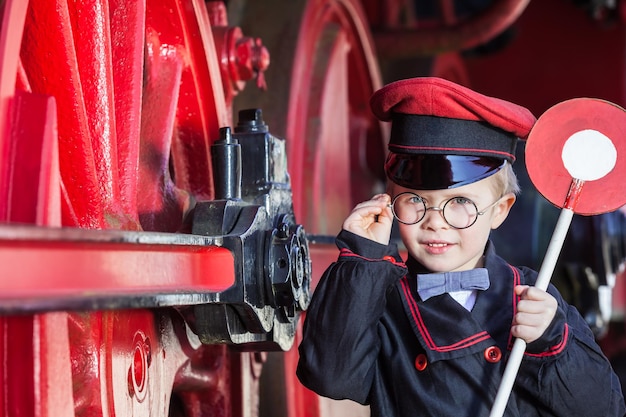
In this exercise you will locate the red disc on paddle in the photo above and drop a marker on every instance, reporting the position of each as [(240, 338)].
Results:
[(581, 138)]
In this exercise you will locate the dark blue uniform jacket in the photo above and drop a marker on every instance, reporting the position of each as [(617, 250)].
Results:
[(368, 337)]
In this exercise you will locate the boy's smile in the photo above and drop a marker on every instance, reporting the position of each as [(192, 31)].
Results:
[(436, 248)]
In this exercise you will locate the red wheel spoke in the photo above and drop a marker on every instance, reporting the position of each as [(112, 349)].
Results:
[(128, 43), (160, 203), (49, 57), (92, 41), (13, 15)]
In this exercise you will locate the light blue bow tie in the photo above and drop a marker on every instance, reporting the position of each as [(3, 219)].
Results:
[(431, 285)]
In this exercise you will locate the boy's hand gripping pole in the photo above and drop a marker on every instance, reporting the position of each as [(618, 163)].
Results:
[(590, 135)]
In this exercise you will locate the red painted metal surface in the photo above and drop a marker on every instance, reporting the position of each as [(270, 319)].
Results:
[(32, 167), (178, 33), (36, 372), (127, 64), (74, 267), (81, 78), (13, 12), (117, 107), (241, 58)]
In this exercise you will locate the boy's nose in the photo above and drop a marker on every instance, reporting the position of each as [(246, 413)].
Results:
[(435, 218)]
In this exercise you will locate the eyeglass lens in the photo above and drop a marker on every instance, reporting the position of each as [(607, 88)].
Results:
[(458, 212)]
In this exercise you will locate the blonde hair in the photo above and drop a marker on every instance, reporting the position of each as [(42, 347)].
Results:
[(505, 180)]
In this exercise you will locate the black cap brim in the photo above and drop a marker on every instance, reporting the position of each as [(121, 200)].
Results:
[(438, 172)]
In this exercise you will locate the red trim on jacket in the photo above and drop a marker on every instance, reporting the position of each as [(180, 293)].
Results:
[(348, 253), (554, 350), (516, 281)]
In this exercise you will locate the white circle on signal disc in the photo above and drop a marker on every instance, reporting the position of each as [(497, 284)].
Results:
[(589, 155)]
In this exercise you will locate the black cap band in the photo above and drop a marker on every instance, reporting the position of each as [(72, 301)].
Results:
[(418, 134)]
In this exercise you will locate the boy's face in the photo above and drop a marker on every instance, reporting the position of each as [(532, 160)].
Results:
[(442, 248)]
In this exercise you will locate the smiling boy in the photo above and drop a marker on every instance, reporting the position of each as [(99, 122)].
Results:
[(429, 335)]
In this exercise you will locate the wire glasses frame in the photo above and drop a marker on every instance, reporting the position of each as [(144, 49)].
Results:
[(458, 212)]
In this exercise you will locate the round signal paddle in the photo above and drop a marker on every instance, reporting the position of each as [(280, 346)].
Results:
[(576, 158), (582, 139)]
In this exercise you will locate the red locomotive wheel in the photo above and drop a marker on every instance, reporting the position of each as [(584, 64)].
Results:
[(108, 109)]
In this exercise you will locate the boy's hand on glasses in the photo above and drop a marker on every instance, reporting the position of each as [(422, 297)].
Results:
[(371, 219)]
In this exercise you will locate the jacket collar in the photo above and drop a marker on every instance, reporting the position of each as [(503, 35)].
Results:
[(459, 332)]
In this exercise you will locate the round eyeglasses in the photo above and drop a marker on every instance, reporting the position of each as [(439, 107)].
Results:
[(458, 212)]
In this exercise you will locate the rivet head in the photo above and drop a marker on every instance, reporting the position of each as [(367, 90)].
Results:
[(141, 358)]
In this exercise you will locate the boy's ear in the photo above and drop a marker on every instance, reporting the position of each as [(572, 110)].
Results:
[(502, 209)]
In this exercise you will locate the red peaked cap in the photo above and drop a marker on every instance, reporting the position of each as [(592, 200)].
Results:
[(444, 135)]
